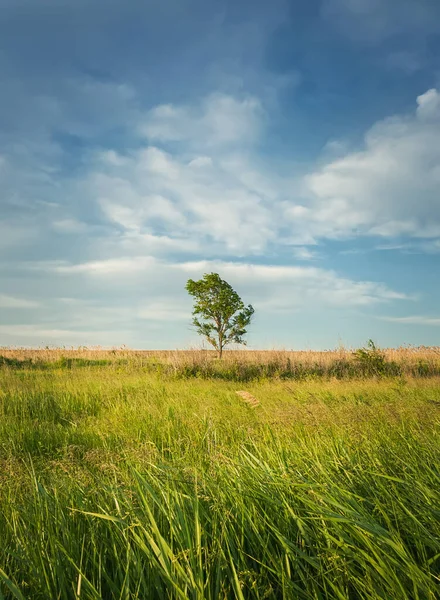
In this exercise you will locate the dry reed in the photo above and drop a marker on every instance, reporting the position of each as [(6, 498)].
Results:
[(404, 354)]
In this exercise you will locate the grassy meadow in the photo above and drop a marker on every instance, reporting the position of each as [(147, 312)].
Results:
[(135, 475)]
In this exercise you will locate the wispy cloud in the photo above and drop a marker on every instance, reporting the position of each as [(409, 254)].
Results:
[(163, 309), (304, 253), (271, 285), (219, 120), (203, 201), (196, 186), (34, 334), (40, 332), (415, 320), (229, 199), (108, 266), (13, 302)]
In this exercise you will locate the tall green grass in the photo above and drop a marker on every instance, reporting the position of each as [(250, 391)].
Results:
[(125, 485)]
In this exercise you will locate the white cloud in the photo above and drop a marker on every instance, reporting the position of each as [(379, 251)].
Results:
[(219, 120), (200, 162), (212, 194), (31, 335), (272, 287), (40, 332), (70, 225), (429, 105), (211, 202), (133, 242), (389, 189), (13, 302), (290, 287), (220, 200), (128, 300), (415, 320), (303, 253), (108, 266), (155, 307), (163, 309), (224, 200)]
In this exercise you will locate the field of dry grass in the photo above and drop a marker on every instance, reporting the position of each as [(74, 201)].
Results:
[(242, 364), (49, 354)]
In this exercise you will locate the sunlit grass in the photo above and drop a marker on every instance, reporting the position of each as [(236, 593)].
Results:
[(120, 483), (238, 365)]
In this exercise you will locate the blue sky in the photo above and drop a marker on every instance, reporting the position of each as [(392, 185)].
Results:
[(292, 147)]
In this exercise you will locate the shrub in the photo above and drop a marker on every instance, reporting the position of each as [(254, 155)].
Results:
[(14, 362), (371, 360)]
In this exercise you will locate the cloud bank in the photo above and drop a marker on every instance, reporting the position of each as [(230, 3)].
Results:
[(189, 192)]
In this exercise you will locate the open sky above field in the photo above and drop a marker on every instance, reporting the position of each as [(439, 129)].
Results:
[(292, 147)]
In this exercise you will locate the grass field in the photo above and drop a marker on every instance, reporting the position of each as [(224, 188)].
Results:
[(240, 365), (123, 481)]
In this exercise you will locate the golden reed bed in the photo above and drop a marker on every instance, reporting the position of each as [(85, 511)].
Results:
[(402, 355)]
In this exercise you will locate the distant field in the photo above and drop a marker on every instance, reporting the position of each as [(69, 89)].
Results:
[(135, 475), (241, 364)]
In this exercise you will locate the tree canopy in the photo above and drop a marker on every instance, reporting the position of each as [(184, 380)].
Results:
[(219, 313)]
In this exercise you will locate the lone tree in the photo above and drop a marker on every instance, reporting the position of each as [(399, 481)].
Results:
[(219, 313)]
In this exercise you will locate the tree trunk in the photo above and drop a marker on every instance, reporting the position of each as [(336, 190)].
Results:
[(220, 351)]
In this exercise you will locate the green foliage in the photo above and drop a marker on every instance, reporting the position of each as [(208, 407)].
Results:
[(137, 486), (219, 313), (371, 360), (13, 362), (69, 362), (422, 369)]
